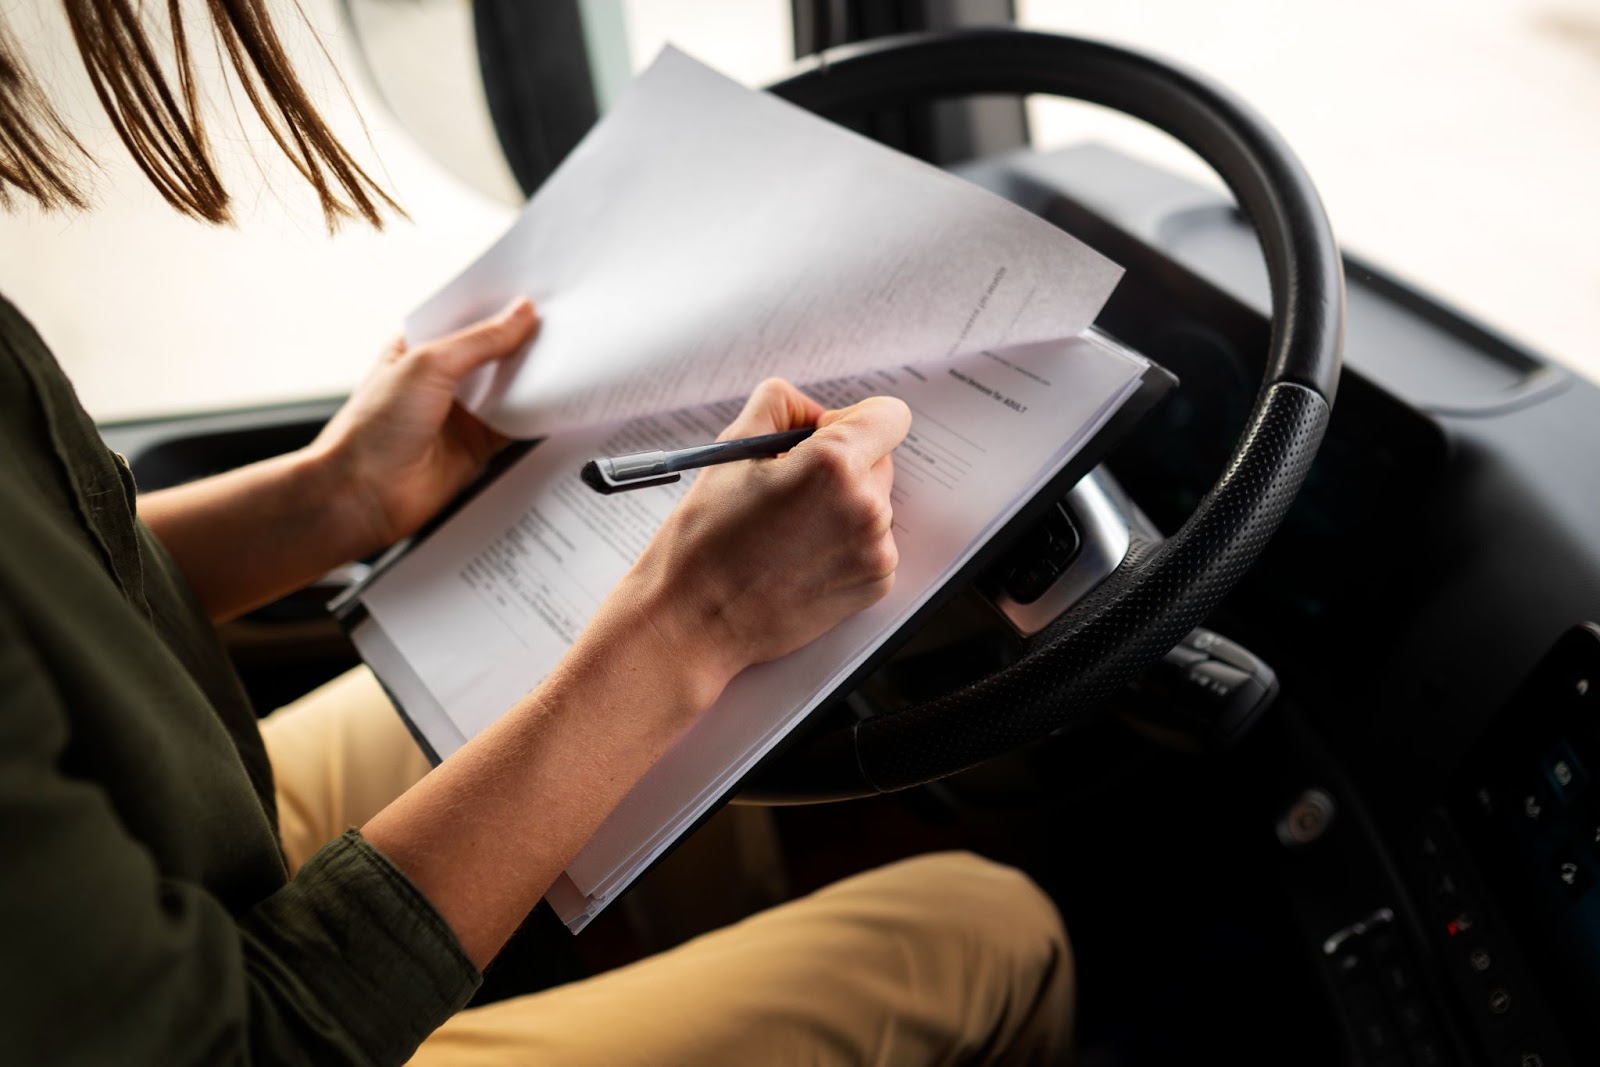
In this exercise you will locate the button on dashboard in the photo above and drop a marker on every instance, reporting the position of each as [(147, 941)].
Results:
[(1488, 800), (1565, 772), (1533, 804), (1573, 877), (1426, 1053)]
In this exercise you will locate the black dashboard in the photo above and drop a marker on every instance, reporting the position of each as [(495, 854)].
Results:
[(1523, 813), (1446, 544)]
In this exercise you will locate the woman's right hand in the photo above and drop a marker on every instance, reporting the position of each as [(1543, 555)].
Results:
[(758, 558), (764, 556)]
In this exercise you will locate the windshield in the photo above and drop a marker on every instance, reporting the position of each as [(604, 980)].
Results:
[(1454, 144)]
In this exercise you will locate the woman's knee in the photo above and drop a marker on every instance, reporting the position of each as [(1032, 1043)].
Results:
[(996, 934), (991, 909), (966, 880)]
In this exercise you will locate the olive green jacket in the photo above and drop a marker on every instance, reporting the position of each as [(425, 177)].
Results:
[(146, 915)]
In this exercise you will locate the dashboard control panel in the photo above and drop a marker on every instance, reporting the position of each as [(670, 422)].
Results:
[(1509, 869)]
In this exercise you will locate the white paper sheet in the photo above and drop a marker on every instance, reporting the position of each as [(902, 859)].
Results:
[(705, 236), (520, 569)]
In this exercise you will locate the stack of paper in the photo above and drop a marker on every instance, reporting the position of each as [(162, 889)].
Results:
[(702, 238)]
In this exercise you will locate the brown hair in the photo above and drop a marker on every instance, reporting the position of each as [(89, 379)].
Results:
[(162, 124)]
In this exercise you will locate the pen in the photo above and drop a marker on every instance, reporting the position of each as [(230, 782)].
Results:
[(613, 474)]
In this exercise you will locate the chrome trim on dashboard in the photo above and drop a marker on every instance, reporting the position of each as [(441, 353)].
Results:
[(1103, 532)]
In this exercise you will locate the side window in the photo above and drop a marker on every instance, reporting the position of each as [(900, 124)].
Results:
[(1454, 144), (421, 59), (498, 91)]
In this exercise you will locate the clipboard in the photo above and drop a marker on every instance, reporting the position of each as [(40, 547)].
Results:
[(426, 718)]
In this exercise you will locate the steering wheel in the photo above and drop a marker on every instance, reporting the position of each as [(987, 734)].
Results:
[(1159, 592)]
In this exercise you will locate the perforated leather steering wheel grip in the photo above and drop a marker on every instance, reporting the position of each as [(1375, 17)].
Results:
[(1159, 592)]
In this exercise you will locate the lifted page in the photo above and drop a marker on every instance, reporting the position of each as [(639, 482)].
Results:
[(705, 236)]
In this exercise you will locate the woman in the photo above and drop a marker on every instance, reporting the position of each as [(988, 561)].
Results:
[(178, 889)]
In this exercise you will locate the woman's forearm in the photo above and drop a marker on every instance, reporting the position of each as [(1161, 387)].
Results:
[(251, 535), (756, 561), (487, 832)]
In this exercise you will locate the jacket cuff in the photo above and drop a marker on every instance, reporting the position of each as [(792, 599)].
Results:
[(368, 947)]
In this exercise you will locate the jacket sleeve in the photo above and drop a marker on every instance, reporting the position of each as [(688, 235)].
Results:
[(107, 961)]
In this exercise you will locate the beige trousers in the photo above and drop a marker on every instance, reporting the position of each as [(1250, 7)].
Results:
[(941, 959)]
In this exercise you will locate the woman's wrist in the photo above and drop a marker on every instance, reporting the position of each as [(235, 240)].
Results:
[(666, 634), (348, 508)]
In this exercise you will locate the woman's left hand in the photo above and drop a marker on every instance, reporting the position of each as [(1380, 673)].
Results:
[(401, 446)]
